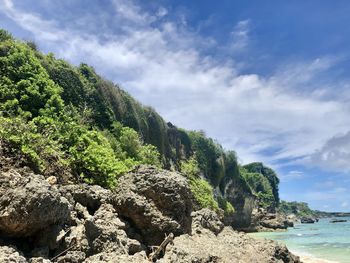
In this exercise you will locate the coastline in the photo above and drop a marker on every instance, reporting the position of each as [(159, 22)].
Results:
[(304, 256), (310, 259)]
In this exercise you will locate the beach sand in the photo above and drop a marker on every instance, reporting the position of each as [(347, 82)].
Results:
[(309, 259)]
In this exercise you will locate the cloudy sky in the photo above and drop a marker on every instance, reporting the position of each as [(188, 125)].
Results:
[(268, 79)]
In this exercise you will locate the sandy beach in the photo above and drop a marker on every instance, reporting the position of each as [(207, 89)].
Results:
[(310, 259)]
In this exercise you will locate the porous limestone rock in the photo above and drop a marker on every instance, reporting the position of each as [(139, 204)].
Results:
[(156, 202), (28, 204)]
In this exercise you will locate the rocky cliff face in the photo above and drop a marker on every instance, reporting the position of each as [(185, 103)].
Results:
[(42, 221)]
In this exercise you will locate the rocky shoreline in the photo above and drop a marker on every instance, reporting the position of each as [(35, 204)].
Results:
[(42, 221)]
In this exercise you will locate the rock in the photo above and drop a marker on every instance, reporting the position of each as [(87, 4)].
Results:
[(77, 237), (52, 180), (307, 220), (156, 202), (105, 232), (28, 204), (72, 257), (89, 196), (275, 222), (115, 257), (208, 219), (338, 221), (11, 255), (228, 246), (51, 238), (244, 203), (39, 260)]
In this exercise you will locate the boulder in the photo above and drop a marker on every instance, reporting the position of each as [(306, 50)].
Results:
[(89, 196), (10, 255), (28, 204), (307, 220), (338, 221), (276, 222), (105, 232), (155, 202), (207, 219), (226, 247)]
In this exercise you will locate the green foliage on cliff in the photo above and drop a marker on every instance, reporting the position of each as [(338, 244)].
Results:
[(260, 184), (299, 209), (57, 117), (269, 174), (201, 189), (69, 120)]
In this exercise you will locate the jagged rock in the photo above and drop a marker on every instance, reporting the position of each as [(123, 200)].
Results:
[(77, 238), (115, 257), (11, 255), (276, 223), (72, 257), (51, 237), (228, 246), (208, 219), (28, 204), (105, 232), (156, 202), (307, 220), (39, 260), (89, 196), (338, 221), (244, 204)]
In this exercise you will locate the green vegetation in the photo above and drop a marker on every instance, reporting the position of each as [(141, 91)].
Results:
[(299, 209), (70, 122), (57, 117), (201, 189), (263, 182)]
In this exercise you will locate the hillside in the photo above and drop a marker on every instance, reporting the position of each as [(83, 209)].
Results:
[(302, 209), (69, 122), (88, 174)]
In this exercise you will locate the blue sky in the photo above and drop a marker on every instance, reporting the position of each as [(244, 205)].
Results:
[(268, 79)]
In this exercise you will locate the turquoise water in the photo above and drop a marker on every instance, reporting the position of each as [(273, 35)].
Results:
[(324, 240)]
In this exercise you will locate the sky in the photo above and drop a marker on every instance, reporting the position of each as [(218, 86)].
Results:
[(268, 79)]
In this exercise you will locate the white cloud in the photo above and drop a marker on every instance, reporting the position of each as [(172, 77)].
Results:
[(334, 155), (292, 175), (162, 12), (164, 66), (344, 204), (240, 36)]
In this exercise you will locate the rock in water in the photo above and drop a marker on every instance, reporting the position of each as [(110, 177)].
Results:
[(307, 220), (28, 203), (156, 202)]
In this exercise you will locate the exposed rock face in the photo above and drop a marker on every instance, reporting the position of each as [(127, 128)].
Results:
[(244, 204), (88, 196), (10, 254), (228, 246), (107, 233), (82, 223), (156, 202), (207, 219), (28, 204), (264, 222), (275, 221)]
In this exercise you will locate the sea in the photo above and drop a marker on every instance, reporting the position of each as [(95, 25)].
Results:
[(324, 240)]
